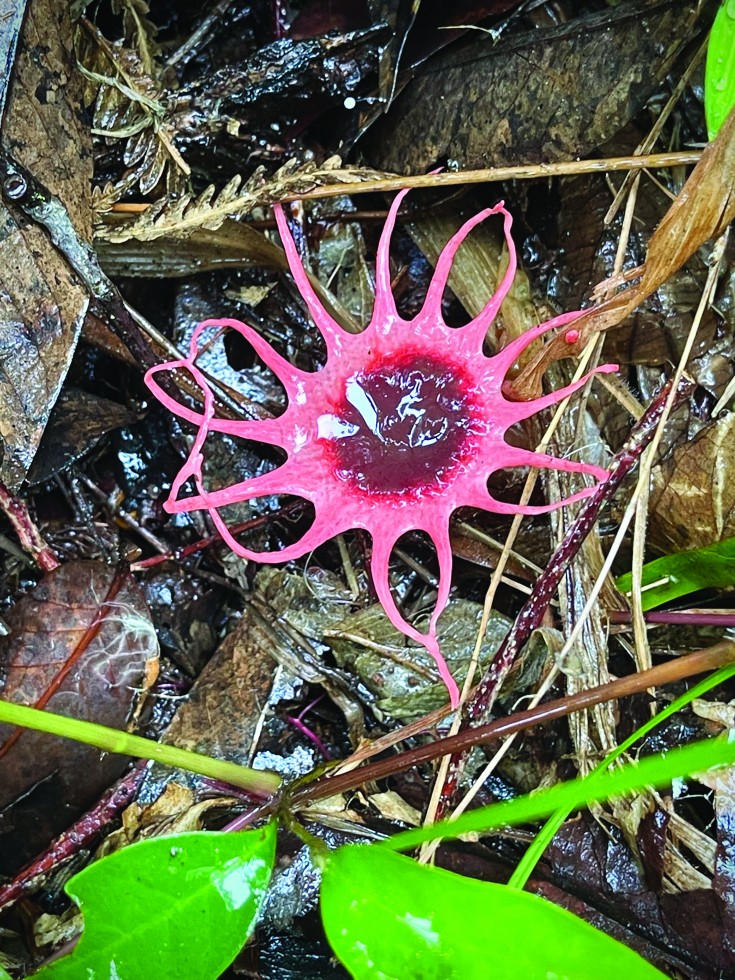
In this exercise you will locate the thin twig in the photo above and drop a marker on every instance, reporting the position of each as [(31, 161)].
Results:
[(28, 534), (529, 171), (699, 662)]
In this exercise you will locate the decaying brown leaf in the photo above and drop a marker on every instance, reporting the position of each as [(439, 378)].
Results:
[(589, 859), (42, 305), (234, 244), (55, 657), (693, 495), (78, 422), (544, 96), (220, 716)]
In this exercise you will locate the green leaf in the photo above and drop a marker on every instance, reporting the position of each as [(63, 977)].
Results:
[(4, 975), (168, 907), (712, 567), (387, 917), (719, 72)]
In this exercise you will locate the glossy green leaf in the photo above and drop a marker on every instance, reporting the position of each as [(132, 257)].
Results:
[(388, 918), (719, 73), (179, 906), (4, 975), (712, 567)]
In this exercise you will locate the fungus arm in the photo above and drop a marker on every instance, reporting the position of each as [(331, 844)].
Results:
[(270, 431), (514, 456), (477, 328), (525, 409), (382, 548), (332, 332)]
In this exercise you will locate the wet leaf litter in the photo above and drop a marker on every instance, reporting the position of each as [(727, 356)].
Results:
[(201, 120)]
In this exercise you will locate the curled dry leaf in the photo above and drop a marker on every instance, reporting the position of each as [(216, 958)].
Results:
[(41, 303), (81, 644), (702, 211)]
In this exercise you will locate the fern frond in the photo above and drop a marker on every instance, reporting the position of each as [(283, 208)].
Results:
[(178, 217)]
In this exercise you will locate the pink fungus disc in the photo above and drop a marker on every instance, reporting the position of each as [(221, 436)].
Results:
[(401, 427), (404, 423)]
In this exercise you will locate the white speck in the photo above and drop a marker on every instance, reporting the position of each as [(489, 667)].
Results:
[(331, 427)]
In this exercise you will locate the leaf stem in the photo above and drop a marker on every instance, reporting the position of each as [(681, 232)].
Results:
[(544, 837), (658, 770), (253, 781)]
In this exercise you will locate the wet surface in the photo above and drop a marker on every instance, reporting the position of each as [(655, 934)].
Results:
[(282, 664), (402, 427)]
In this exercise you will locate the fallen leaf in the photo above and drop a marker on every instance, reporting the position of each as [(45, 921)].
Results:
[(703, 210), (547, 95), (42, 305), (220, 716), (692, 500), (591, 860), (53, 658), (77, 423)]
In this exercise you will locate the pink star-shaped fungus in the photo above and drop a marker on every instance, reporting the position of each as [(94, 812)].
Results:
[(403, 424)]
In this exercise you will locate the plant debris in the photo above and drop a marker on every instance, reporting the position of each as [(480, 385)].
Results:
[(143, 147)]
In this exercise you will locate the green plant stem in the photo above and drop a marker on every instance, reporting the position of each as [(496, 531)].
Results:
[(658, 770), (544, 837), (254, 781)]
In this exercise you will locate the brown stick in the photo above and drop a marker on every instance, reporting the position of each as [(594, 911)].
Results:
[(527, 171), (699, 662), (79, 835), (28, 534)]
